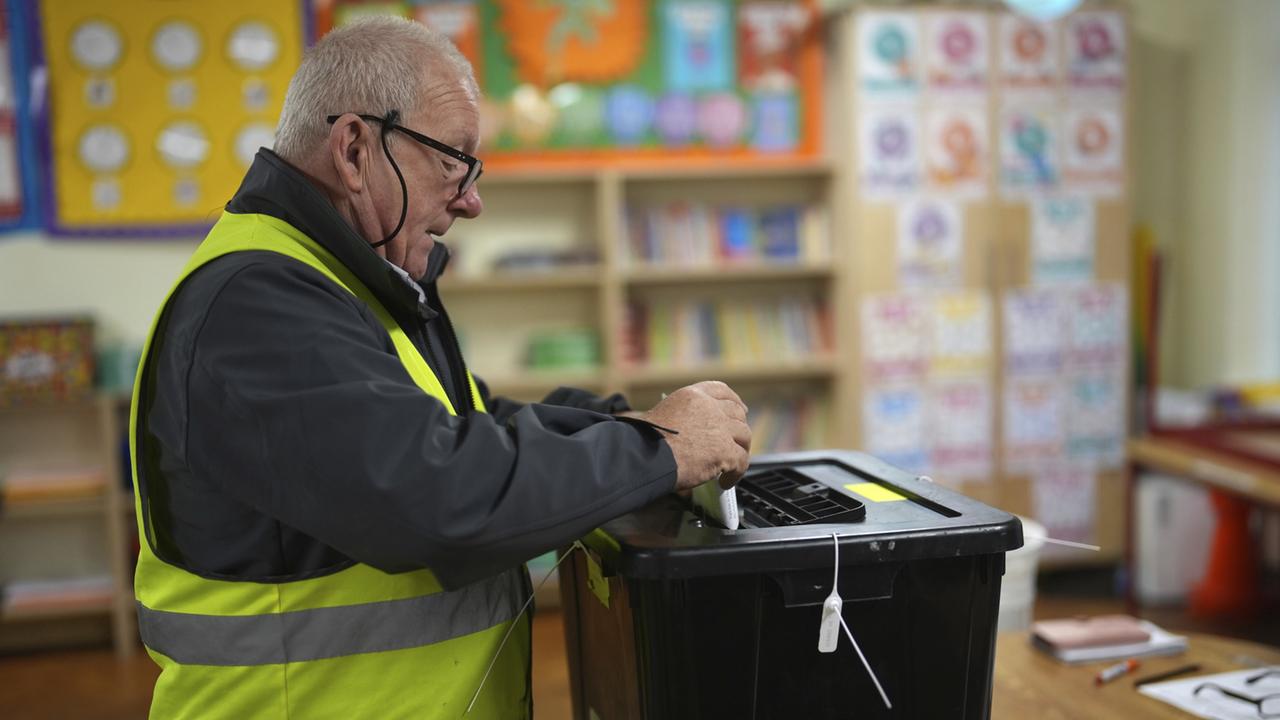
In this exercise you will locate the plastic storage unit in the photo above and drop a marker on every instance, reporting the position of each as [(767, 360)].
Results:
[(669, 616)]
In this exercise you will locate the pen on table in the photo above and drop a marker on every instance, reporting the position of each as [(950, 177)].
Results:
[(1115, 671), (1185, 669)]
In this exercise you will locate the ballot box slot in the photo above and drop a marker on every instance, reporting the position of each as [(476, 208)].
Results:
[(782, 497)]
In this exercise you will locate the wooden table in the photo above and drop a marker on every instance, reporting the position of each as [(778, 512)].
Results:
[(1030, 684)]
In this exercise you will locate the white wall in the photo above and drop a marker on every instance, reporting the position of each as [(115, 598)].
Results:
[(1223, 240), (121, 283)]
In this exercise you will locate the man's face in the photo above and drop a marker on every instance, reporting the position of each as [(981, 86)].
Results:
[(449, 113)]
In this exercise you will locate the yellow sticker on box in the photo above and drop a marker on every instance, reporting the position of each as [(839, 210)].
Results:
[(875, 492)]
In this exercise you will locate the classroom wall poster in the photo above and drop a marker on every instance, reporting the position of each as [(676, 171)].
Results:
[(157, 109), (961, 342), (956, 52), (895, 338), (1093, 161), (1098, 326), (930, 243), (961, 428), (1030, 156), (1034, 422), (11, 190), (889, 62), (1064, 499), (1096, 51), (895, 419), (956, 150), (628, 81), (769, 34), (1035, 328), (1062, 239), (1028, 56), (697, 43), (1096, 417), (889, 155)]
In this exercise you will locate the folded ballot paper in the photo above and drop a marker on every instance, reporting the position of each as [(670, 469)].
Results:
[(1106, 637)]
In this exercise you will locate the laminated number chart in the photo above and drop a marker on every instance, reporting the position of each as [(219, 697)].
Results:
[(156, 107)]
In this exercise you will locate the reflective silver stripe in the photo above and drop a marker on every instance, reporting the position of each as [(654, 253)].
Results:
[(303, 635)]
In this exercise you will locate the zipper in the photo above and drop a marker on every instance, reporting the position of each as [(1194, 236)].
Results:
[(452, 353)]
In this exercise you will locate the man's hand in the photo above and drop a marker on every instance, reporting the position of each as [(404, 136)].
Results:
[(714, 437)]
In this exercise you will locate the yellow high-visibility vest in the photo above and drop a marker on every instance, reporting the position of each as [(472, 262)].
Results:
[(357, 643)]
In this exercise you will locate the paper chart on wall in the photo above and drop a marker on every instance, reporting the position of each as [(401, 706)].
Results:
[(1029, 53), (888, 54), (956, 52), (1034, 429), (956, 150), (962, 339), (889, 155), (1035, 326), (960, 429), (1093, 156), (1098, 326), (1065, 502), (1096, 417), (895, 338), (698, 46), (896, 421), (1096, 51), (930, 243), (1030, 154), (1062, 240)]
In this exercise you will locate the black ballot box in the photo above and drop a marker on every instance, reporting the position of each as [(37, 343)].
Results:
[(670, 616)]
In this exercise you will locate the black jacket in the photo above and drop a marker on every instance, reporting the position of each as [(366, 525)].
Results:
[(280, 437)]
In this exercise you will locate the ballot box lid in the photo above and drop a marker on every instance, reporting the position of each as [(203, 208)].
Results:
[(895, 516)]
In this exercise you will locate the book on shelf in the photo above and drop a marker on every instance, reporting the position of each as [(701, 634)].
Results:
[(686, 234), (785, 425), (691, 332), (51, 484)]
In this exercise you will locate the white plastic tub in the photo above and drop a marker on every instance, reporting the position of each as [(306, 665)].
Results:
[(1018, 590)]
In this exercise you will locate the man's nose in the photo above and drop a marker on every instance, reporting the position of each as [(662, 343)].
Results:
[(468, 204)]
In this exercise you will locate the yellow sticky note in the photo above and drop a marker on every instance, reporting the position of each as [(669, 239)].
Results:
[(874, 492)]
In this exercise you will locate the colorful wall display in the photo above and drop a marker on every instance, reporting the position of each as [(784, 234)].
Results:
[(157, 107), (630, 81), (19, 193)]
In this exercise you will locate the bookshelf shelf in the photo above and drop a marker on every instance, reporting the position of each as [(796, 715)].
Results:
[(725, 274), (562, 279), (533, 381), (84, 436), (87, 608), (39, 510), (783, 370), (712, 170)]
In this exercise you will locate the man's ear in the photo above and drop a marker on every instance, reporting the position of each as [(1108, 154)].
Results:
[(349, 151)]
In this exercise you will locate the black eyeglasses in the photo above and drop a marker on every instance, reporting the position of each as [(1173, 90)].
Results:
[(475, 166), (1268, 706)]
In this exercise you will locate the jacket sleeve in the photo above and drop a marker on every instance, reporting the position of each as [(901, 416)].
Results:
[(300, 408), (503, 408)]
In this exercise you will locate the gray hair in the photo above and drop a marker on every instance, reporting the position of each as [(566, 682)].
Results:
[(371, 66)]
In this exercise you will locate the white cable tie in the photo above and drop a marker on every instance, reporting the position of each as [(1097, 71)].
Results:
[(829, 625), (866, 664), (577, 545), (1069, 543)]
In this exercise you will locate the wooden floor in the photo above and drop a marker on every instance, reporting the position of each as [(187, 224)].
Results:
[(93, 685)]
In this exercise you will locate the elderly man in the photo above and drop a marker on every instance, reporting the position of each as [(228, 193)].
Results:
[(334, 512)]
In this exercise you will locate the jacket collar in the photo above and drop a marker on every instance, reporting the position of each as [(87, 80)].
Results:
[(274, 187)]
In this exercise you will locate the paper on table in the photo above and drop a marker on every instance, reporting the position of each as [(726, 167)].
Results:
[(1209, 704)]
